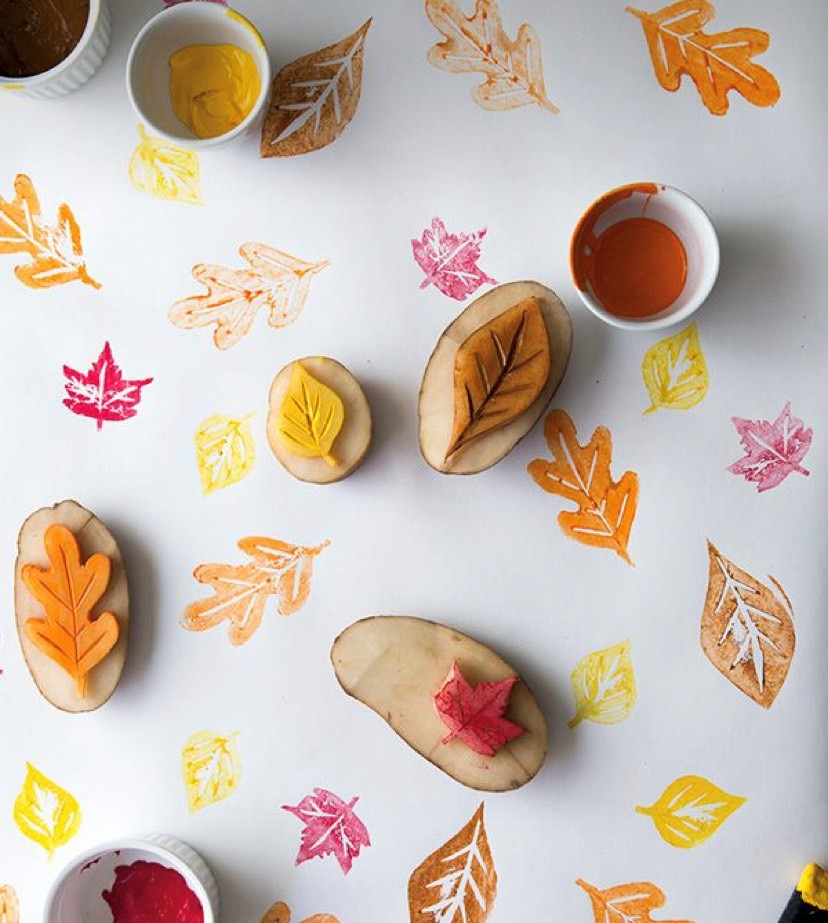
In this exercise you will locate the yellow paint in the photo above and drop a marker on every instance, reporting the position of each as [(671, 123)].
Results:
[(225, 451), (603, 684), (310, 416), (213, 87), (237, 17), (813, 886), (165, 170), (690, 810), (12, 86), (212, 768), (45, 812), (675, 371)]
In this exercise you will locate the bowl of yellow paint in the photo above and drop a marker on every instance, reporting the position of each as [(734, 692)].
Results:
[(198, 74)]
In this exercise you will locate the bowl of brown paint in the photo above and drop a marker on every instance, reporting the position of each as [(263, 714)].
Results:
[(644, 256), (50, 47)]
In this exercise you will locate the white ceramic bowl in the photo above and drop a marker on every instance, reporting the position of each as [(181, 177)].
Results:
[(148, 66), (73, 71), (75, 895), (679, 212)]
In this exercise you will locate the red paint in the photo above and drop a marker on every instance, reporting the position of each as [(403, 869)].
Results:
[(146, 892)]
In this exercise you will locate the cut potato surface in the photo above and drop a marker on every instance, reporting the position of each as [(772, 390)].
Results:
[(438, 401), (56, 684), (395, 665), (313, 455)]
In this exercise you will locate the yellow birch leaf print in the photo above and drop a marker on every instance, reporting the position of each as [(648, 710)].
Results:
[(45, 812), (165, 170), (310, 417), (9, 907), (224, 450), (212, 768), (675, 371), (603, 684), (690, 810)]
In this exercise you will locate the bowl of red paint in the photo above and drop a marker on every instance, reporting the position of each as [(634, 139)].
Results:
[(152, 879), (644, 256)]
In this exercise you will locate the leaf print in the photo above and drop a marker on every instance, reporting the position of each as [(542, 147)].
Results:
[(314, 98), (603, 684), (276, 281), (772, 450), (9, 906), (747, 629), (450, 260), (716, 62), (55, 251), (280, 913), (224, 451), (241, 591), (499, 371), (606, 508), (211, 767), (103, 393), (45, 812), (457, 883), (675, 371), (478, 44), (165, 170), (310, 416), (690, 810), (331, 828), (630, 903)]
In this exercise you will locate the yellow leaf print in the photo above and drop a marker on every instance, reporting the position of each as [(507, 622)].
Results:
[(310, 417), (224, 450), (690, 810), (45, 812), (212, 768), (9, 907), (603, 684), (165, 170), (675, 372)]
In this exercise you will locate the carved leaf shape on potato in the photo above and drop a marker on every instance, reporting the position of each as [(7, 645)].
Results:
[(9, 906), (690, 810), (224, 451), (45, 812), (280, 913), (603, 684), (747, 629), (606, 508), (675, 371), (241, 591), (716, 62), (479, 44), (457, 883), (276, 281), (55, 251), (310, 416), (628, 903), (165, 170), (212, 768), (499, 371), (314, 98), (69, 590)]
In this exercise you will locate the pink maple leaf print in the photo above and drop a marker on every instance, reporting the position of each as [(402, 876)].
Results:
[(450, 260), (772, 450), (103, 393), (331, 827)]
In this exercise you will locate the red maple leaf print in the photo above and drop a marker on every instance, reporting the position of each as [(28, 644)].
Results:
[(772, 450), (450, 260), (331, 827), (474, 714), (103, 393)]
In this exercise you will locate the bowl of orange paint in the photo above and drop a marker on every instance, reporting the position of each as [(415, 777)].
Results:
[(644, 256)]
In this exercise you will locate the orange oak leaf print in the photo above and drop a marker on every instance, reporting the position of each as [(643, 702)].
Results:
[(275, 280), (629, 903), (716, 62), (241, 591), (54, 250), (606, 508), (9, 907)]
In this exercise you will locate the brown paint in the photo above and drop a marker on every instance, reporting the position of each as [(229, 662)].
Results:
[(36, 35)]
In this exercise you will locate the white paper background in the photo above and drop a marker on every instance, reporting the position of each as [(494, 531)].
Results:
[(484, 554)]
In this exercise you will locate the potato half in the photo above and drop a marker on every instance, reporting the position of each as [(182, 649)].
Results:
[(92, 536), (436, 406), (395, 665)]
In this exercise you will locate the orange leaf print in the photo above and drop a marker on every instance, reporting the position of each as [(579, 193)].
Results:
[(68, 590), (716, 62), (606, 508), (9, 908), (55, 252), (280, 913), (241, 591), (630, 903)]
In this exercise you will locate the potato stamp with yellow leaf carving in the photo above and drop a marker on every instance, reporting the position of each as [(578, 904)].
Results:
[(319, 422)]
